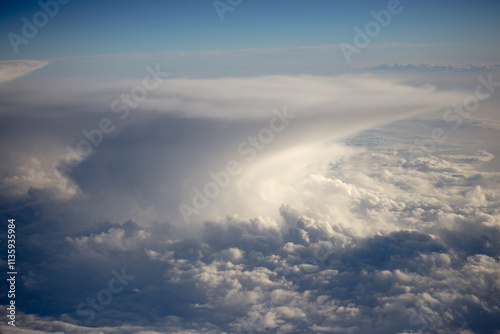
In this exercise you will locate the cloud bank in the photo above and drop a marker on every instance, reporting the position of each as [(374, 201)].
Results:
[(325, 230), (187, 128)]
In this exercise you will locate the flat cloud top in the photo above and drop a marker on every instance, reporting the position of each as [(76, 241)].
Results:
[(242, 97)]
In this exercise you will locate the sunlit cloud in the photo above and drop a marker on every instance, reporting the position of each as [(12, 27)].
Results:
[(12, 69)]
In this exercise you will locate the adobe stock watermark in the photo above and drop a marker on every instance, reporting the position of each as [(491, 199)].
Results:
[(121, 106), (30, 28), (363, 39), (249, 148), (457, 114), (222, 6), (103, 297)]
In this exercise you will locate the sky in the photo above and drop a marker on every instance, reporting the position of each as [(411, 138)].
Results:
[(243, 166), (420, 32)]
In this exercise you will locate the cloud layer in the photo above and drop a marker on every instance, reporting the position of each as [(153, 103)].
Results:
[(374, 249), (323, 231)]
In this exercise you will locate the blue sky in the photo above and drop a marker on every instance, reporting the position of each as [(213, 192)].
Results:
[(83, 28)]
